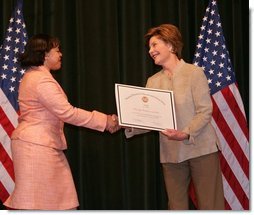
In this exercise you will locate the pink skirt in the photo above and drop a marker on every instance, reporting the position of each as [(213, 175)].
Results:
[(43, 179)]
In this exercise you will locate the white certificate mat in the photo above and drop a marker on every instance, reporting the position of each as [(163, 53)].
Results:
[(145, 108)]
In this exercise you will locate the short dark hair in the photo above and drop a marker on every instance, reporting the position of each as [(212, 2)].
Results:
[(36, 48), (169, 34)]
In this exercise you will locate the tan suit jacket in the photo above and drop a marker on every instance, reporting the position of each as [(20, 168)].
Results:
[(193, 113), (44, 108)]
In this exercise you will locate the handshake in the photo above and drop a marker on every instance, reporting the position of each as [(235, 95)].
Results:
[(112, 124)]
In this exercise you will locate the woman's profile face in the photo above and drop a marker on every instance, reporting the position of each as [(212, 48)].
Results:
[(53, 59), (159, 50)]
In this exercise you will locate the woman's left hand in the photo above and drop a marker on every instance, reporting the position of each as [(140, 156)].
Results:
[(173, 134)]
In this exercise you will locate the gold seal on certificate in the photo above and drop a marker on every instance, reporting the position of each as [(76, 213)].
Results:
[(145, 108)]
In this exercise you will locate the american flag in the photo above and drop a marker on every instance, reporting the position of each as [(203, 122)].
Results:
[(228, 117), (10, 75)]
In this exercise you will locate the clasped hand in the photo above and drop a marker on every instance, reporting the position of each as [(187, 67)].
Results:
[(112, 124)]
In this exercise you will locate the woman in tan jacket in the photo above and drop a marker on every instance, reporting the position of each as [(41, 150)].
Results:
[(191, 151), (43, 179)]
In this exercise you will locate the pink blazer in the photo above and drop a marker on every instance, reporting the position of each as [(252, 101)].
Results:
[(44, 108)]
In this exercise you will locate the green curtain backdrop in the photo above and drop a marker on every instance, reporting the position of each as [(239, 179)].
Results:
[(103, 44)]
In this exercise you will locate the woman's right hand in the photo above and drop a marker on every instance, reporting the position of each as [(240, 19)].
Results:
[(112, 124)]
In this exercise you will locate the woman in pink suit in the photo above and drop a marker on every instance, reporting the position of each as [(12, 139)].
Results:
[(43, 179)]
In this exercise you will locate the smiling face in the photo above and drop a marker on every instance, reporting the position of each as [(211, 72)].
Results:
[(167, 34), (53, 59), (159, 50)]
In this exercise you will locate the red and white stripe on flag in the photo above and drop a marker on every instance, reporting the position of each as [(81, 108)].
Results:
[(8, 122), (230, 123)]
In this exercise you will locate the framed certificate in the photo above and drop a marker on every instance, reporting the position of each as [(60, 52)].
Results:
[(145, 108)]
